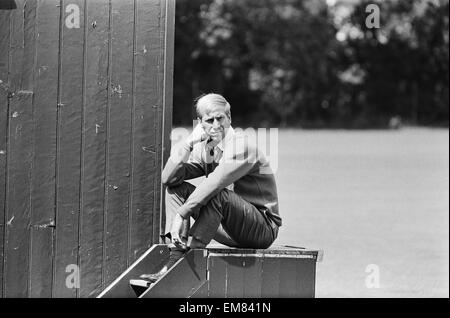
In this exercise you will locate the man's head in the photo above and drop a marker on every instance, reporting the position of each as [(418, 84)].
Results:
[(214, 113)]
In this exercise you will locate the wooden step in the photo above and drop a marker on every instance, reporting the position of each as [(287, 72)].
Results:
[(151, 261), (221, 271)]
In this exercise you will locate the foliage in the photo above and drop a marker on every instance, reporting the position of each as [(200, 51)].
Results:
[(301, 63)]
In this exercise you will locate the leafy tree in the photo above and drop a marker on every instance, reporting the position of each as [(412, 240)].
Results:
[(294, 62)]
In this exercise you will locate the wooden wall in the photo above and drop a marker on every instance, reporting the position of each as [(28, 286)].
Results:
[(85, 117)]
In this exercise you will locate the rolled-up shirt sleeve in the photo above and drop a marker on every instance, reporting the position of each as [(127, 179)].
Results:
[(239, 159), (191, 169)]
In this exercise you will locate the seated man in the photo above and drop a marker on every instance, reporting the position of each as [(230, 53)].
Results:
[(246, 216)]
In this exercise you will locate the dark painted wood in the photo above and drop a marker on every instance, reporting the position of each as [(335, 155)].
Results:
[(242, 276), (276, 272), (17, 244), (3, 147), (288, 278), (206, 274), (217, 276), (17, 209), (68, 150), (29, 43), (183, 279), (44, 163), (270, 277), (41, 270), (166, 119), (252, 277), (95, 131), (4, 64), (4, 46), (276, 250), (119, 139), (158, 123), (201, 292), (235, 276), (16, 53), (306, 278), (152, 261), (146, 90), (93, 192), (42, 222)]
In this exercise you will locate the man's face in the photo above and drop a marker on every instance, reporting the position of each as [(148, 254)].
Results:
[(215, 123)]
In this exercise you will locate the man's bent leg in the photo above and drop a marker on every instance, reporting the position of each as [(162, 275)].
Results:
[(175, 197), (242, 221)]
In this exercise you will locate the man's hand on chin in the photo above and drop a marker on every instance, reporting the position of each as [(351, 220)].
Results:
[(197, 135)]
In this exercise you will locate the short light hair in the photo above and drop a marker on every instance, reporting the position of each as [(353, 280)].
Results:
[(206, 102)]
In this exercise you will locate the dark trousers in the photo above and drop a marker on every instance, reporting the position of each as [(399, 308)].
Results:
[(226, 218)]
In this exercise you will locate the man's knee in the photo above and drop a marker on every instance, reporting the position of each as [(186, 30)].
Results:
[(220, 198)]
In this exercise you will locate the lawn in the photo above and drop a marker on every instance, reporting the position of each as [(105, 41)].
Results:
[(369, 199)]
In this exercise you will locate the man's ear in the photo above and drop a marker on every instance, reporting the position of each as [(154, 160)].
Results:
[(228, 115)]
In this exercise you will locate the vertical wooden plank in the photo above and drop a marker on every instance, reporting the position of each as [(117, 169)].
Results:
[(4, 46), (288, 281), (119, 134), (167, 104), (252, 277), (16, 245), (270, 277), (94, 143), (29, 43), (16, 47), (158, 112), (146, 68), (18, 196), (41, 270), (42, 220), (3, 162), (45, 120), (306, 277), (235, 277), (69, 144), (4, 57), (217, 277)]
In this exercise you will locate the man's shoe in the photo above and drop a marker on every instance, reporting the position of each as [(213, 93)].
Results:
[(140, 283), (175, 255), (152, 278)]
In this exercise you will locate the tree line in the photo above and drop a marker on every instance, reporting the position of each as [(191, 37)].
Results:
[(306, 63)]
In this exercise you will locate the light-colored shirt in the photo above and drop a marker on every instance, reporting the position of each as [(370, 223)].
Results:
[(236, 161)]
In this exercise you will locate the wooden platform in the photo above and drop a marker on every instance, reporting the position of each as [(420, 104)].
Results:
[(220, 271)]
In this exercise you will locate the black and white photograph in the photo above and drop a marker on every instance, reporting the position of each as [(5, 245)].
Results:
[(224, 153)]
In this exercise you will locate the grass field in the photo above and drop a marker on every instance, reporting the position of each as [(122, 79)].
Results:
[(369, 197)]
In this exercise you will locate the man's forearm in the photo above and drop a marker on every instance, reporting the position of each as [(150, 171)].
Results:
[(232, 168), (175, 162)]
